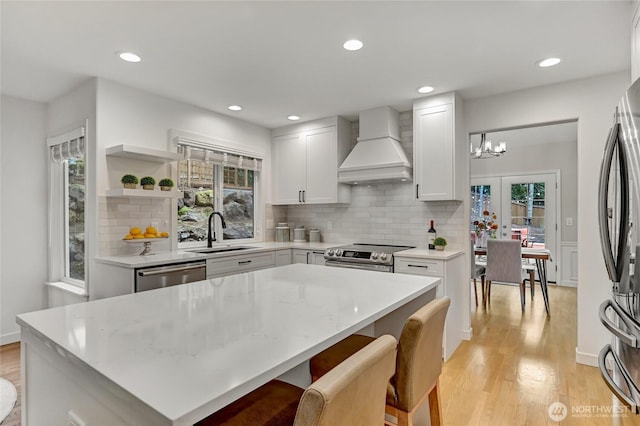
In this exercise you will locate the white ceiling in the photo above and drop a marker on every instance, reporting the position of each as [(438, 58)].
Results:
[(282, 58)]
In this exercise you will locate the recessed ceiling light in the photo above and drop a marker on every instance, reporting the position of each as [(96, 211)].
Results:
[(425, 89), (235, 107), (129, 57), (293, 117), (549, 62), (353, 45)]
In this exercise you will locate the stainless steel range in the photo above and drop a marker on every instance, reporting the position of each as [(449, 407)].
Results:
[(373, 257)]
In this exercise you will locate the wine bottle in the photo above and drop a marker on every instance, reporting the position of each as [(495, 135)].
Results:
[(431, 235)]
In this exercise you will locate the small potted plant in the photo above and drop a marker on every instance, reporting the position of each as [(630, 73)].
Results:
[(129, 181), (147, 182), (165, 184), (439, 243)]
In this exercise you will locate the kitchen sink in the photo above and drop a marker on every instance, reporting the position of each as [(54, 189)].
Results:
[(220, 249)]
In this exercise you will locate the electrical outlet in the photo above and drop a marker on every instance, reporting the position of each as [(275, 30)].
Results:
[(155, 224), (269, 223), (74, 419), (569, 221), (329, 225)]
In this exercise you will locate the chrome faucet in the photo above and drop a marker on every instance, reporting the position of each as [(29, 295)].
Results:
[(224, 225)]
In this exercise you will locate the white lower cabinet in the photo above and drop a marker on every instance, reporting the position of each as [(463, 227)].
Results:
[(312, 257), (452, 272), (283, 257), (242, 263)]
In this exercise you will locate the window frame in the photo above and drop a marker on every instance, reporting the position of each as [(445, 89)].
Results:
[(180, 137), (58, 214)]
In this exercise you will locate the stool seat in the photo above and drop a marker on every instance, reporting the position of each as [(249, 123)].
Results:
[(351, 394), (273, 404), (326, 360)]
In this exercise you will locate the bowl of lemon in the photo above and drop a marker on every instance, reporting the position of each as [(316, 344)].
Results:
[(146, 236)]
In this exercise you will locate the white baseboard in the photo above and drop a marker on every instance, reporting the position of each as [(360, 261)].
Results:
[(5, 339), (586, 359), (573, 284), (467, 334)]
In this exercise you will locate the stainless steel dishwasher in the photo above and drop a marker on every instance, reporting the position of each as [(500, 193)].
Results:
[(174, 274)]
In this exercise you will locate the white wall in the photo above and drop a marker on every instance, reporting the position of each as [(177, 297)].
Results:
[(592, 102), (134, 117), (23, 217)]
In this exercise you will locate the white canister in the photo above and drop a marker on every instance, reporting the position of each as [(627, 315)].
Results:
[(314, 235), (283, 233), (300, 235)]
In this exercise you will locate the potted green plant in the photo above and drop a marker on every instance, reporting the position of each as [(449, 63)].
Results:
[(147, 182), (129, 181), (165, 184), (439, 243)]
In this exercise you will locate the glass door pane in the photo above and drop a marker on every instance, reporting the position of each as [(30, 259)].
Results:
[(529, 213), (485, 197)]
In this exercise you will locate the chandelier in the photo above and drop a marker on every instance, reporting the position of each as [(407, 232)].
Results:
[(487, 150)]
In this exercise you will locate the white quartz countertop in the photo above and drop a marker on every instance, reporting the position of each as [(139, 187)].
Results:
[(188, 350), (179, 256), (417, 253)]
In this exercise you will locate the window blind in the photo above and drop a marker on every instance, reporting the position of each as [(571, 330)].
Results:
[(218, 155), (67, 146)]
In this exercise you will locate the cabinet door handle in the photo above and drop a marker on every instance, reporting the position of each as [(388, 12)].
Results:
[(299, 196), (418, 266), (244, 262), (304, 196), (417, 190)]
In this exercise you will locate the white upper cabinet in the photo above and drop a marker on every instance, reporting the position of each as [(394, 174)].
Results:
[(439, 149), (305, 162)]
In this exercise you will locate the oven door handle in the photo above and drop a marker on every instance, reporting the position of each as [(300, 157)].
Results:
[(633, 399), (333, 263), (628, 338)]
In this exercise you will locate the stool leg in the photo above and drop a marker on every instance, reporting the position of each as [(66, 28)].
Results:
[(532, 281), (522, 291)]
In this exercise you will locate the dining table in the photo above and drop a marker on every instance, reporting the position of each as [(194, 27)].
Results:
[(541, 256), (174, 355)]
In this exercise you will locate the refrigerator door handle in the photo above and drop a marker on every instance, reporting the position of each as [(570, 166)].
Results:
[(633, 399), (627, 338), (613, 261)]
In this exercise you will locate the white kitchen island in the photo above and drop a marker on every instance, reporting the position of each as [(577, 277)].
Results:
[(174, 355)]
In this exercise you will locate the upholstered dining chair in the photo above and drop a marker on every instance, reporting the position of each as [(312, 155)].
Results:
[(418, 363), (504, 264), (476, 271), (352, 394)]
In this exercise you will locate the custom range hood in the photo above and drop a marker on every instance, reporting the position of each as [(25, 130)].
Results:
[(378, 155)]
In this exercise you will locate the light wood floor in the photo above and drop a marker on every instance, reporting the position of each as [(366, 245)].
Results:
[(10, 370), (515, 366)]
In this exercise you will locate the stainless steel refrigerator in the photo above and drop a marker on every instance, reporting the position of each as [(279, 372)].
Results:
[(619, 218)]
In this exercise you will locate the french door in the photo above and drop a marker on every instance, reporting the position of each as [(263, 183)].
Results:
[(525, 206)]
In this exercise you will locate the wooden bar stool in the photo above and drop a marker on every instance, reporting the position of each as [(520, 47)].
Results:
[(352, 394), (418, 363)]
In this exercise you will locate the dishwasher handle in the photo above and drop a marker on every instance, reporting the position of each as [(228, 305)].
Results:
[(164, 270)]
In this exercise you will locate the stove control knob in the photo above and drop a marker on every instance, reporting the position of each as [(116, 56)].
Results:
[(374, 256), (383, 256), (330, 252), (339, 252)]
